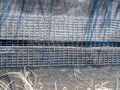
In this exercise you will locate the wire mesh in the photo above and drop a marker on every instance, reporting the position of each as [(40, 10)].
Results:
[(58, 41)]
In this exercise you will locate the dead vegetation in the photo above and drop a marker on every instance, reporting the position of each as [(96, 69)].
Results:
[(29, 80)]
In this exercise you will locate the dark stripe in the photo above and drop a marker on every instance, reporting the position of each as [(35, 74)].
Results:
[(58, 43)]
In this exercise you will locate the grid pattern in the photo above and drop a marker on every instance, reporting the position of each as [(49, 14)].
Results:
[(58, 41), (58, 29)]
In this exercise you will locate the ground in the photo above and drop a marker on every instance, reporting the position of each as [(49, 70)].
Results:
[(77, 78)]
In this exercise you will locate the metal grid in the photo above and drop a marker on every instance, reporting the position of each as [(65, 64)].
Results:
[(58, 41)]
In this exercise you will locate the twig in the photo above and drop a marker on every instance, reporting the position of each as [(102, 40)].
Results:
[(117, 83), (55, 86)]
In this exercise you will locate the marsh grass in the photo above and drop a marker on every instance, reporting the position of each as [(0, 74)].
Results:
[(34, 79), (28, 84), (34, 83)]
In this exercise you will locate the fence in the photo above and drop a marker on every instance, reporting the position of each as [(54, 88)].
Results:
[(58, 41)]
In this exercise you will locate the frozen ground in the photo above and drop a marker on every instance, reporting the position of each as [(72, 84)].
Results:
[(74, 78)]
